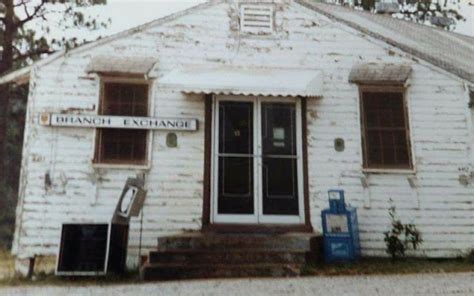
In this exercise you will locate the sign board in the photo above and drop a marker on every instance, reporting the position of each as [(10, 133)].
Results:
[(123, 122), (340, 249), (337, 223)]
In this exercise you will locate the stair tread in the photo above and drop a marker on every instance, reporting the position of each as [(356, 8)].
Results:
[(197, 255), (229, 266), (173, 271), (239, 237), (227, 251), (246, 235)]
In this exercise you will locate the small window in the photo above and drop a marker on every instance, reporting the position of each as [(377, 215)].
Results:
[(385, 132), (256, 19), (122, 146)]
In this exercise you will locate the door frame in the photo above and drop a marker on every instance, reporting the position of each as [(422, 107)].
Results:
[(257, 217), (230, 218)]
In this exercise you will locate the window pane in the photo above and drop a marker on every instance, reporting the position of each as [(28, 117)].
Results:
[(375, 153), (384, 110), (122, 146), (125, 99), (236, 185), (386, 131), (236, 127)]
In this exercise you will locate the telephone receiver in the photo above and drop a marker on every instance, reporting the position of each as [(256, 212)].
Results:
[(131, 200)]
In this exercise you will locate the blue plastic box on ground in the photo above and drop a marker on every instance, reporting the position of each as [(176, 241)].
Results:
[(340, 230)]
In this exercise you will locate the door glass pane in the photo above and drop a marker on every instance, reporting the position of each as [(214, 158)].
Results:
[(279, 172), (236, 159), (278, 129), (236, 127), (236, 177), (280, 186), (236, 185)]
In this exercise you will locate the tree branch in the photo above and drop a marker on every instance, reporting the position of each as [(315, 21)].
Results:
[(21, 3), (29, 17), (33, 53), (18, 52), (25, 8)]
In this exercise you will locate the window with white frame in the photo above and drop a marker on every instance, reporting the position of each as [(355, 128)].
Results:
[(385, 129), (122, 146)]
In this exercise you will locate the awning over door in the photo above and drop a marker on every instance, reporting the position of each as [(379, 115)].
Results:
[(245, 81)]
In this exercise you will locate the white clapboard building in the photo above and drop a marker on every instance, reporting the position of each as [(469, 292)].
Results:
[(242, 115)]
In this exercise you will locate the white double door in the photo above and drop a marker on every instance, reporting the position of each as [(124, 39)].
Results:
[(257, 161)]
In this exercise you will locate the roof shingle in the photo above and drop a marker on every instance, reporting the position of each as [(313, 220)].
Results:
[(450, 51)]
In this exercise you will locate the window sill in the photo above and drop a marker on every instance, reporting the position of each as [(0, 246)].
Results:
[(121, 166), (390, 171)]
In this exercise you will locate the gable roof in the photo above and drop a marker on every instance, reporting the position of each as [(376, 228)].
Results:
[(450, 51), (447, 50)]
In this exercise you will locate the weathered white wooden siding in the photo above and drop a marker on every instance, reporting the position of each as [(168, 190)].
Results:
[(440, 206)]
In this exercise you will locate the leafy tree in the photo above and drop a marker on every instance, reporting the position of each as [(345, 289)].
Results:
[(440, 13), (25, 30)]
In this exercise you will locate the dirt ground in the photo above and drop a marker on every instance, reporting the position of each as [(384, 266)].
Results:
[(411, 277), (459, 284)]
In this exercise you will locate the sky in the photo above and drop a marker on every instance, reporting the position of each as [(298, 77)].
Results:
[(467, 10), (125, 14), (142, 11)]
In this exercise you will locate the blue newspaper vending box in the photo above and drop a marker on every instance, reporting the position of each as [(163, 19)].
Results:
[(340, 230)]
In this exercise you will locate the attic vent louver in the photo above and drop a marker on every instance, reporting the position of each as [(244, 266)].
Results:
[(256, 19)]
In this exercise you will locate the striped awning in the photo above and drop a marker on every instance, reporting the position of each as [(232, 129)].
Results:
[(229, 80)]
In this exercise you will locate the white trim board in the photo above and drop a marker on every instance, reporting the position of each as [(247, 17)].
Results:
[(257, 217)]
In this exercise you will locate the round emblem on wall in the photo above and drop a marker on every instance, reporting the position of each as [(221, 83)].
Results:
[(44, 119)]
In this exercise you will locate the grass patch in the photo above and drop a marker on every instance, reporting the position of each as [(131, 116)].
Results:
[(381, 266), (6, 264), (4, 255), (44, 276), (48, 279)]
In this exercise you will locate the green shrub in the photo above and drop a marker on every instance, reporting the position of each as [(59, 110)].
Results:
[(401, 237)]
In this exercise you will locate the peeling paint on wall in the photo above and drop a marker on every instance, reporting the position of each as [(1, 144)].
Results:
[(59, 181)]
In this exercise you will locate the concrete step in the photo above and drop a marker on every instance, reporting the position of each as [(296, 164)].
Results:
[(219, 255), (190, 257), (223, 242), (177, 271)]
